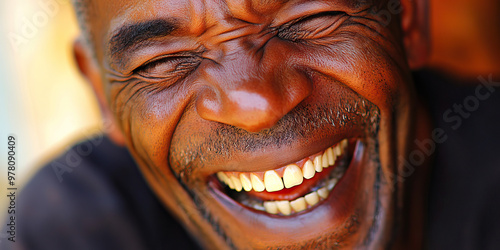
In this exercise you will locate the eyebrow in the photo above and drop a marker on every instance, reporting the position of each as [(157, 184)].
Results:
[(131, 36)]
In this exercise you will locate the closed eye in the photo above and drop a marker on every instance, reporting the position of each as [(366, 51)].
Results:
[(171, 66), (310, 27)]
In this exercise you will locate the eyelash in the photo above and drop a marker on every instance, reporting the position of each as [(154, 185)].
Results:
[(295, 31), (177, 66)]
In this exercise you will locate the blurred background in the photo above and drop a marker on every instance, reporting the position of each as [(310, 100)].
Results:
[(47, 105), (465, 37), (43, 100)]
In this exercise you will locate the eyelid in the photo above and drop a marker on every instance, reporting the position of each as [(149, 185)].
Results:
[(162, 57), (298, 29), (168, 46), (144, 71), (311, 17)]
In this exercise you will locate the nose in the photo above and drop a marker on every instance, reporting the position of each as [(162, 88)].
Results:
[(251, 92)]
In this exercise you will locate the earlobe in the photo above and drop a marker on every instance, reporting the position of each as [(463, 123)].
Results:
[(415, 28), (90, 71)]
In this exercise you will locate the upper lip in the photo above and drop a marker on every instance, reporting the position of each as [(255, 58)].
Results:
[(274, 158)]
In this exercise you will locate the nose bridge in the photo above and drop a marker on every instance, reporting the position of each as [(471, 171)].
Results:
[(244, 70), (245, 90)]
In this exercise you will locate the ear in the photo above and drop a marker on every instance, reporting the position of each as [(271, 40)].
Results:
[(415, 26), (90, 71)]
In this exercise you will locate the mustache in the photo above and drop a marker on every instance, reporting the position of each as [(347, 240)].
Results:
[(195, 148)]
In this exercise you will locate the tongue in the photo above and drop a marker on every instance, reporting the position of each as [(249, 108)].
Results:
[(293, 192)]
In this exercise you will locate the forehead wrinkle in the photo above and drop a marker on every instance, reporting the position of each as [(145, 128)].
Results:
[(264, 6), (253, 11), (229, 19), (198, 16), (221, 25)]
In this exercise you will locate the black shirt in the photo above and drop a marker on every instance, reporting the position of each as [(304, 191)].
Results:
[(464, 198), (93, 197)]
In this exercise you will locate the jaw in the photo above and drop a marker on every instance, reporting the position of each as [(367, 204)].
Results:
[(357, 212), (361, 211)]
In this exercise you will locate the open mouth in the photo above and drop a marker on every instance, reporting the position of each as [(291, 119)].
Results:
[(293, 188)]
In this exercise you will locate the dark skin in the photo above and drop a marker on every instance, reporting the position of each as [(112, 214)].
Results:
[(249, 86)]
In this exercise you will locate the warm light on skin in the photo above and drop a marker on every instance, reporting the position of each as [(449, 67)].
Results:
[(254, 87)]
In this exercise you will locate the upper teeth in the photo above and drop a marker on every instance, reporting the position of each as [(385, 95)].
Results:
[(292, 175), (272, 181)]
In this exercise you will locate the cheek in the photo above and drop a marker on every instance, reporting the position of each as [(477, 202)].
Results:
[(365, 68), (148, 119)]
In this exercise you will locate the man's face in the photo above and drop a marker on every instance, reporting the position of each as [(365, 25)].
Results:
[(261, 123)]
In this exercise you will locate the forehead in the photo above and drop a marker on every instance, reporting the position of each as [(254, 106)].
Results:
[(212, 9), (195, 16)]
